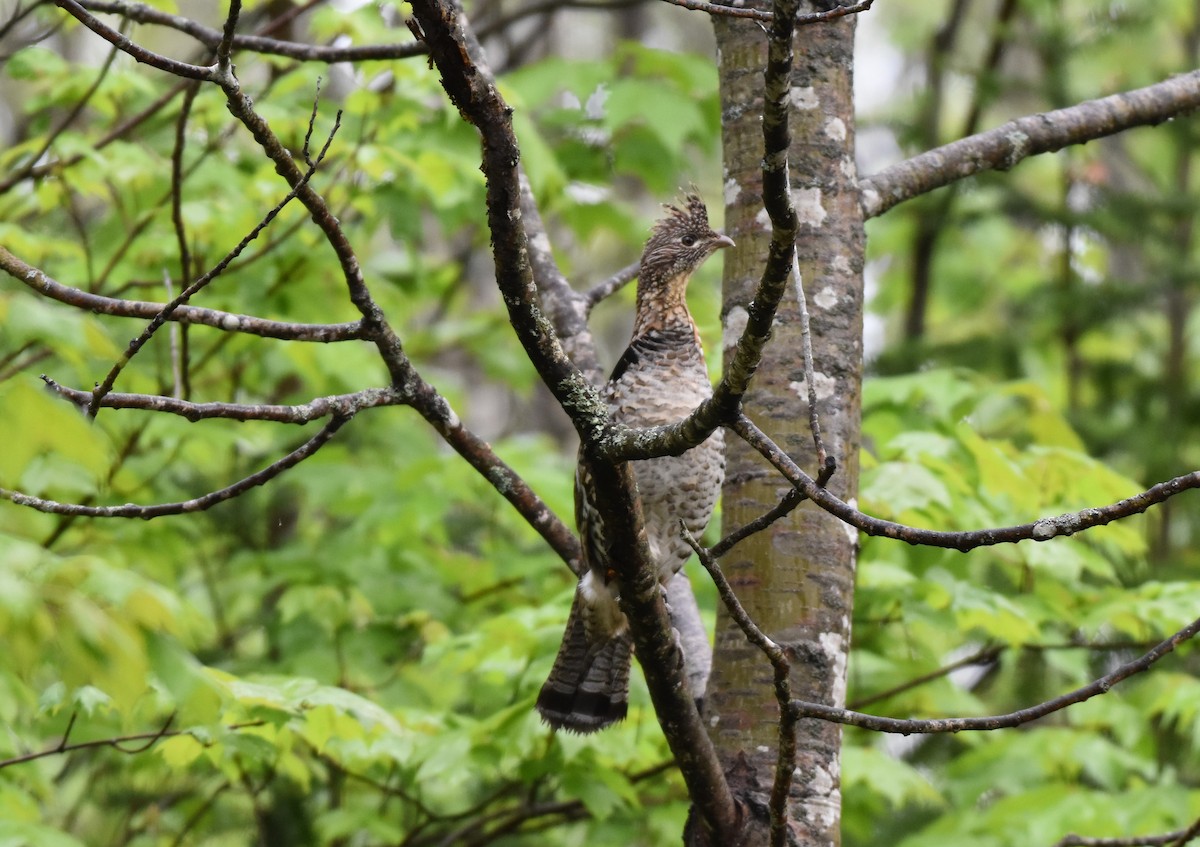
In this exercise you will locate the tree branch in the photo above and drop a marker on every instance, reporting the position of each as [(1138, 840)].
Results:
[(146, 740), (785, 762), (602, 291), (195, 287), (983, 656), (1177, 838), (472, 90), (1041, 530), (803, 709), (197, 504), (40, 282), (1002, 148), (345, 405), (767, 17), (138, 52)]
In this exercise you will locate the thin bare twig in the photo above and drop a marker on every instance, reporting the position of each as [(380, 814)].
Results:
[(983, 656), (814, 421), (1176, 839), (602, 291), (149, 739), (803, 709), (346, 405), (40, 282), (35, 157), (785, 762), (225, 45), (1040, 530), (146, 739), (211, 38), (766, 17), (196, 504), (136, 344)]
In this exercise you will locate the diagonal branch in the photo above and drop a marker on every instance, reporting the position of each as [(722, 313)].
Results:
[(373, 327), (196, 504), (346, 405), (195, 287), (471, 89), (782, 667), (1041, 530), (137, 51), (803, 709), (1003, 147)]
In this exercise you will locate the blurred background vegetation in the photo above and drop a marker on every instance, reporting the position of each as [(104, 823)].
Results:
[(354, 649)]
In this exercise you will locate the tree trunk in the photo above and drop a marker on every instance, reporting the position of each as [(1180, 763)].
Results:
[(797, 578)]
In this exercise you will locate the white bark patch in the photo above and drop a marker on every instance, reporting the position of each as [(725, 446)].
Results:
[(1019, 148), (841, 265), (835, 129), (833, 645), (870, 201), (804, 97), (826, 298), (808, 206), (849, 169), (825, 386), (852, 532), (763, 220), (735, 325), (541, 243), (822, 781), (732, 190)]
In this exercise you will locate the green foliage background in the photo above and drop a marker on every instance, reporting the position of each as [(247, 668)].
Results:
[(349, 655)]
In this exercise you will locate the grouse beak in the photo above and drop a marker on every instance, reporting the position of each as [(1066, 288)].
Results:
[(723, 241)]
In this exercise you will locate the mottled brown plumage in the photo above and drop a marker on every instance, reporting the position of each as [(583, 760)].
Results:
[(660, 378)]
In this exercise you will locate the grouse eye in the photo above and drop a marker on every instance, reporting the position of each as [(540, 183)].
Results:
[(688, 241)]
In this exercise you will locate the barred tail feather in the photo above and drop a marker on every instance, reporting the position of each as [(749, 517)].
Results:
[(588, 687)]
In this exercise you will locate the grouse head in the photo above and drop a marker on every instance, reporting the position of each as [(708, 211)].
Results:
[(680, 242)]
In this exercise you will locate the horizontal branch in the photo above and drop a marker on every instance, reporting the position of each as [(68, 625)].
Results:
[(211, 38), (197, 504), (1002, 148), (145, 740), (1176, 838), (200, 283), (804, 709), (1040, 530), (345, 405), (422, 397), (42, 283), (764, 16)]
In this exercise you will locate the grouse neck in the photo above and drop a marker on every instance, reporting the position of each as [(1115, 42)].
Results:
[(662, 305)]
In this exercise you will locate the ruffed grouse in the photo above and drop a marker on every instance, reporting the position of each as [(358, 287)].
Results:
[(660, 378)]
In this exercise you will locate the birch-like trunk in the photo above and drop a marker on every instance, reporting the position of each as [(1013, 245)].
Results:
[(797, 578)]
